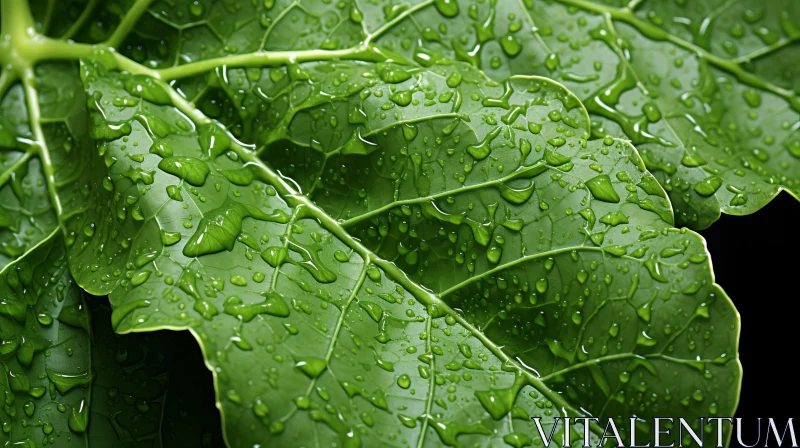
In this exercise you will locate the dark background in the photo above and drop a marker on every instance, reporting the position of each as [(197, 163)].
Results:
[(756, 260)]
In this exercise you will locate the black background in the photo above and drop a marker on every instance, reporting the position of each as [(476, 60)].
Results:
[(755, 260)]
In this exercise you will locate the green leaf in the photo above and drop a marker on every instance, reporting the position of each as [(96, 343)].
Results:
[(44, 350), (547, 281), (26, 215), (714, 119), (706, 92), (265, 277), (468, 175)]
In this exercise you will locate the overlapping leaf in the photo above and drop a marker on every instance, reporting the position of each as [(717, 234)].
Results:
[(575, 296), (69, 381), (700, 89), (442, 167), (204, 236), (26, 214), (44, 350), (697, 88)]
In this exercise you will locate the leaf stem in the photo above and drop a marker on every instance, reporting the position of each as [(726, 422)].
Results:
[(7, 79), (15, 18), (21, 257), (431, 380), (256, 59), (777, 45), (129, 20), (48, 16), (425, 296), (81, 20), (388, 25), (502, 267), (34, 116), (513, 175)]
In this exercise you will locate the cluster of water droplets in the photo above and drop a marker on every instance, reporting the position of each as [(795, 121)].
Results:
[(488, 192), (44, 340)]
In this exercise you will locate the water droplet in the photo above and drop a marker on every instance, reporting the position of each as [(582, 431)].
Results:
[(404, 381), (196, 8), (602, 189), (447, 8)]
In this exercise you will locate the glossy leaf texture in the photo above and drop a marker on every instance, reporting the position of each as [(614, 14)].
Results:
[(443, 167), (186, 228), (703, 90), (379, 224), (26, 213), (44, 350), (706, 91), (69, 380)]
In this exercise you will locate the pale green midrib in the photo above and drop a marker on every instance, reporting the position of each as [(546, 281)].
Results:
[(90, 344), (763, 51), (48, 16), (283, 127), (81, 20), (15, 16), (535, 28), (257, 59), (623, 60), (422, 294), (275, 23), (7, 79), (391, 23), (287, 235), (431, 381), (32, 100), (334, 338), (619, 356), (729, 65)]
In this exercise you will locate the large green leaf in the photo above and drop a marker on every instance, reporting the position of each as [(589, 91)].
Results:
[(143, 390), (442, 167), (212, 240), (702, 89), (557, 285)]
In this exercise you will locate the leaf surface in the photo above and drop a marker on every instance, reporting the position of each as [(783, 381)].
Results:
[(26, 214), (702, 90), (446, 168), (45, 350), (375, 245), (221, 244), (69, 381)]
